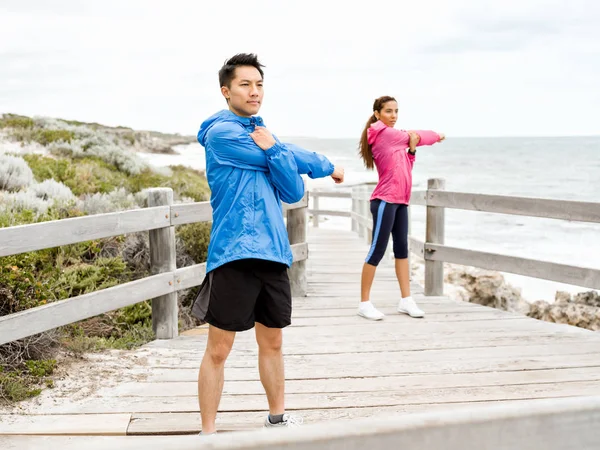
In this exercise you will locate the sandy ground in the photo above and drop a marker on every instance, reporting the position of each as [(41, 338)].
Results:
[(78, 378)]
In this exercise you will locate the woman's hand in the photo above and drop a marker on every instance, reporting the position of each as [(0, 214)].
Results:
[(413, 141), (442, 136)]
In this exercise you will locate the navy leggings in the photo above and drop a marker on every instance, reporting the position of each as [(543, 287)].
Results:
[(388, 218)]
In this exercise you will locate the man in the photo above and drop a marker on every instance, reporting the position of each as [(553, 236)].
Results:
[(250, 172)]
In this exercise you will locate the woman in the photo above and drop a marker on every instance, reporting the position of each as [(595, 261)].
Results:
[(392, 152)]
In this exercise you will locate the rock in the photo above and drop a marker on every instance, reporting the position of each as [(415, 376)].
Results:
[(562, 296), (571, 313), (591, 298), (487, 288)]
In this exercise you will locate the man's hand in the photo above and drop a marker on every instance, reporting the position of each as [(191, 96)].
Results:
[(263, 138), (338, 175)]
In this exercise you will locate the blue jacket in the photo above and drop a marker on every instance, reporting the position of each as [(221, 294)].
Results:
[(248, 185)]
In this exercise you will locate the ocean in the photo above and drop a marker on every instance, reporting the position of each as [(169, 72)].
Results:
[(566, 168)]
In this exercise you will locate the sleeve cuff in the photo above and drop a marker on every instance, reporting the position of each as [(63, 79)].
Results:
[(273, 151)]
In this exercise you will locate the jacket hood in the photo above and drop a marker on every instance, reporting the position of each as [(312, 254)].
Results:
[(226, 116), (374, 130)]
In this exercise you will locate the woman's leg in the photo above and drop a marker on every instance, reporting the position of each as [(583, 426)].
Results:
[(400, 235), (383, 220)]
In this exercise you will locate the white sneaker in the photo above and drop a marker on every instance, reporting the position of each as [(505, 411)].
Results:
[(408, 306), (289, 421), (368, 311)]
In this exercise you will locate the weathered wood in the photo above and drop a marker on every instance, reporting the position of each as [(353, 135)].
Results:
[(298, 402), (416, 246), (315, 211), (303, 203), (383, 384), (549, 424), (66, 425), (523, 206), (501, 365), (182, 423), (296, 228), (63, 312), (327, 212), (191, 213), (26, 238), (330, 194), (434, 233), (354, 210), (564, 273), (459, 355), (363, 223), (418, 198), (162, 259)]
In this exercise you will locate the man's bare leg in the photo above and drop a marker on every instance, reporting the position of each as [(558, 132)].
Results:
[(270, 366), (211, 375)]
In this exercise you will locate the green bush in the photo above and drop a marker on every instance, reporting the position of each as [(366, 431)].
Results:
[(88, 175), (195, 238), (16, 121)]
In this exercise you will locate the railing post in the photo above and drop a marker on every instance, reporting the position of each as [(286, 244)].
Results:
[(354, 209), (296, 228), (162, 259), (369, 187), (315, 211), (434, 234), (409, 252)]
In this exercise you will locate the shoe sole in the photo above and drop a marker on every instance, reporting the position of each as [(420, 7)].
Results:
[(419, 316), (370, 318)]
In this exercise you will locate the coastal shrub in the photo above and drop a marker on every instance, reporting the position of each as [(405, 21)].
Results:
[(15, 174), (52, 190)]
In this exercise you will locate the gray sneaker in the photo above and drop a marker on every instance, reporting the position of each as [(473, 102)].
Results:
[(288, 421)]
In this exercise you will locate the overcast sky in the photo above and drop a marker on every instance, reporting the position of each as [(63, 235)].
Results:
[(463, 67)]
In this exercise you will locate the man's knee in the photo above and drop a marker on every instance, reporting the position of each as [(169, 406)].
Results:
[(219, 346), (269, 339)]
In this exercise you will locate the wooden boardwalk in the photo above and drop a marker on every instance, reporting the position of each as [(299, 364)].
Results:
[(338, 366)]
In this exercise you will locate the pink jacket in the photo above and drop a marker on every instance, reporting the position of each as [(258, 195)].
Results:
[(394, 164)]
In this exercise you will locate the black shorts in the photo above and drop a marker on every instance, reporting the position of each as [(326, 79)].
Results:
[(240, 293)]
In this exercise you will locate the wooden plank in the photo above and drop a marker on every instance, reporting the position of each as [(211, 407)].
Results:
[(297, 345), (392, 358), (63, 312), (300, 252), (418, 198), (362, 220), (298, 402), (188, 277), (523, 206), (293, 372), (330, 194), (183, 423), (303, 203), (416, 246), (343, 385), (564, 273), (329, 212), (554, 424), (183, 213), (26, 238), (68, 425)]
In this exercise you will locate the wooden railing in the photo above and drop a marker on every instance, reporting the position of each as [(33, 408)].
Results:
[(160, 219), (435, 253)]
